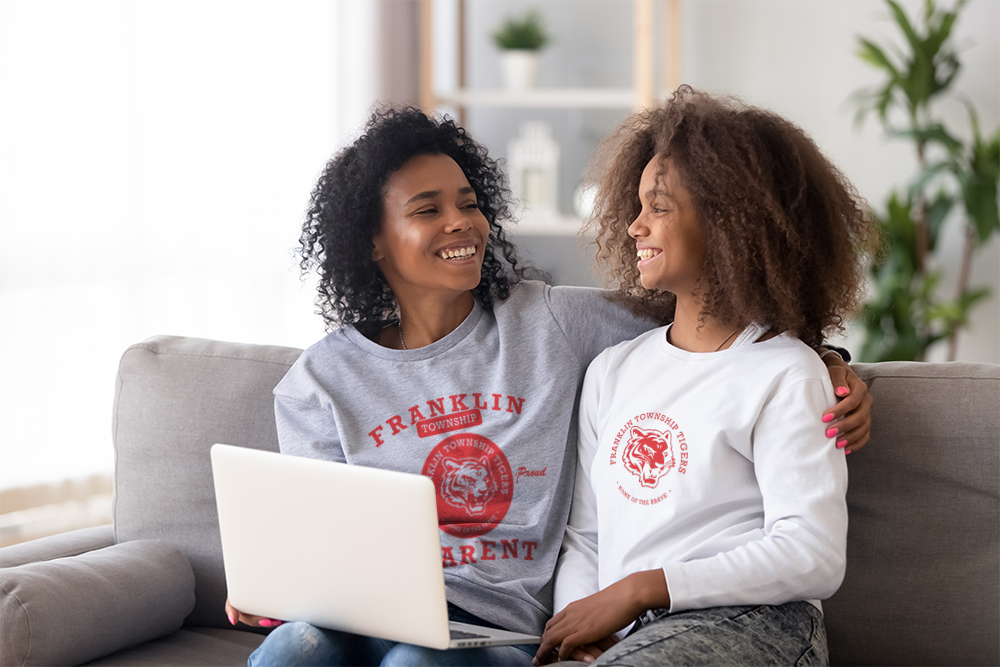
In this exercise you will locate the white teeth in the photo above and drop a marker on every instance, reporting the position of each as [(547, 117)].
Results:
[(459, 253), (645, 253)]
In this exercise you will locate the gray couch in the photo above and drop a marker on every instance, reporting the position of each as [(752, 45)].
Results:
[(922, 576)]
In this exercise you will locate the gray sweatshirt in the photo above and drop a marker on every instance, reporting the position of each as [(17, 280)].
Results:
[(487, 412)]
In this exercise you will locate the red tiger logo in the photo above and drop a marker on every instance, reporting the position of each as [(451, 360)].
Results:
[(467, 484), (648, 455)]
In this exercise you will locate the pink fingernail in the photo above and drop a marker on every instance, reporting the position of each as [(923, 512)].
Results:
[(846, 452), (265, 623), (830, 432), (828, 417), (232, 621), (843, 391), (841, 444)]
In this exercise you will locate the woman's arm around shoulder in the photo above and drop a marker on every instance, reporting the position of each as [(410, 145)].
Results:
[(850, 420), (593, 320)]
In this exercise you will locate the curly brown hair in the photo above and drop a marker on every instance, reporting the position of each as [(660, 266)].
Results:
[(786, 231)]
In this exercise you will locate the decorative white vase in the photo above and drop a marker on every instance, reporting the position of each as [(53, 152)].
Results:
[(533, 161), (520, 68)]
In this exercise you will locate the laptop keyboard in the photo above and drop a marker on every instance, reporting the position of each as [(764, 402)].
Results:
[(459, 634)]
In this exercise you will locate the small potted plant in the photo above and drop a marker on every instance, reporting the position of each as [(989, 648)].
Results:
[(520, 40)]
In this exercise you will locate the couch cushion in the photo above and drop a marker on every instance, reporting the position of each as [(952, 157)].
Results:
[(921, 586), (175, 398), (188, 647), (69, 610), (61, 545)]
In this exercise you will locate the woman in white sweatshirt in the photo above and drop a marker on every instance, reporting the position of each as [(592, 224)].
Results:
[(709, 516)]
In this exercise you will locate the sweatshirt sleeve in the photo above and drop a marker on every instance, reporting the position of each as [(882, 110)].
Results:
[(592, 321), (577, 570), (801, 551), (304, 417)]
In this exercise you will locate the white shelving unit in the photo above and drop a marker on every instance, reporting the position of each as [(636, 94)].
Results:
[(642, 92)]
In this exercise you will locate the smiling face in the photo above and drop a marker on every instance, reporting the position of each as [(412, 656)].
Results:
[(432, 235), (669, 241)]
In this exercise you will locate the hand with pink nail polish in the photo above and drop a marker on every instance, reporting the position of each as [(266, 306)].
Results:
[(236, 616), (853, 411)]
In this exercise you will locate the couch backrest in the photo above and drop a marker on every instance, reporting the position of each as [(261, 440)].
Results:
[(923, 553), (175, 398), (924, 498)]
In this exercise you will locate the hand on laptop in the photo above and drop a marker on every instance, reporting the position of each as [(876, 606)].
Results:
[(236, 616)]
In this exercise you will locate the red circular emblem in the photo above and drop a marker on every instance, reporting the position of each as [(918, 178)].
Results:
[(474, 484)]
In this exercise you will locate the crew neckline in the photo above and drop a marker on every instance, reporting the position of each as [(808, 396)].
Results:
[(749, 336), (457, 335)]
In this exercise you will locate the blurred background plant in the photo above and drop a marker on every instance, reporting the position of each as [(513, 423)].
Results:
[(907, 313), (526, 33)]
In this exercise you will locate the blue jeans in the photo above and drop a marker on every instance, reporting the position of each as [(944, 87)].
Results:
[(787, 634), (305, 645)]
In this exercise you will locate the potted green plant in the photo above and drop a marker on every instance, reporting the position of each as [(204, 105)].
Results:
[(519, 40), (907, 313)]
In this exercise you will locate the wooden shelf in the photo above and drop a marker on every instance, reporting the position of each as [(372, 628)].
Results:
[(641, 93), (542, 98)]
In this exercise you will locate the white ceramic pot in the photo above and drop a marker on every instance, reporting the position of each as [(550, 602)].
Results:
[(520, 68)]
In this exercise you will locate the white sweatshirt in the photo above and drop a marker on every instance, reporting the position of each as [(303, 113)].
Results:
[(713, 467)]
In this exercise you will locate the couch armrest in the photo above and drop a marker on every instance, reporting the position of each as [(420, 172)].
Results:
[(73, 543), (66, 611)]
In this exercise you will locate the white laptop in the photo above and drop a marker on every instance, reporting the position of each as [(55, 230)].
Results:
[(339, 546)]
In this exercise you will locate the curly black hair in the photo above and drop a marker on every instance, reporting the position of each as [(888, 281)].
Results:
[(345, 212)]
